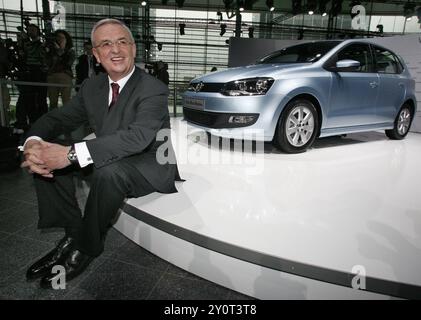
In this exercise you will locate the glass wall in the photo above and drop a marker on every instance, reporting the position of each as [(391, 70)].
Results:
[(195, 52)]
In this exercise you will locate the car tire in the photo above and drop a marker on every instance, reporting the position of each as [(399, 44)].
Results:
[(402, 123), (297, 127)]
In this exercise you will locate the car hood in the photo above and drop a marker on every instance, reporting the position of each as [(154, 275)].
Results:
[(251, 71)]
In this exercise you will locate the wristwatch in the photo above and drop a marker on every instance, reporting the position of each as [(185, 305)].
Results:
[(72, 156)]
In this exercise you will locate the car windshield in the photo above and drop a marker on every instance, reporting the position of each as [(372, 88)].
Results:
[(302, 53)]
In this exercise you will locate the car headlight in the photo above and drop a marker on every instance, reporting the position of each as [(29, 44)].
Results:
[(247, 87)]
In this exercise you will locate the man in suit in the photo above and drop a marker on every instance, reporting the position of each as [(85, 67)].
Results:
[(87, 65), (127, 108)]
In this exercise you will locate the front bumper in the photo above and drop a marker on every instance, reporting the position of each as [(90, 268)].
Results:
[(212, 111)]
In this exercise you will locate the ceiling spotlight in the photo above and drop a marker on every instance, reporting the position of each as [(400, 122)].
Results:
[(270, 5), (322, 7), (241, 5), (251, 30), (311, 6), (182, 26), (143, 3), (223, 29)]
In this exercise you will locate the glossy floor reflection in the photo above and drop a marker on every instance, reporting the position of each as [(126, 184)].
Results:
[(348, 202)]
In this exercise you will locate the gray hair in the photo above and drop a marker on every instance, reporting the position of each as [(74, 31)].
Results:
[(109, 21)]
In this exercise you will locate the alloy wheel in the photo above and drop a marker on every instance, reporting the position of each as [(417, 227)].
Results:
[(404, 121), (299, 125)]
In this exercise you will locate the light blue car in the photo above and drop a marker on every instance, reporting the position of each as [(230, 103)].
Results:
[(310, 90)]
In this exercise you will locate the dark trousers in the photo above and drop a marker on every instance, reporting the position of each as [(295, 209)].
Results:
[(109, 186), (32, 101)]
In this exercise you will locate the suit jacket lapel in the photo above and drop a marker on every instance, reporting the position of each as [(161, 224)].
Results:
[(111, 118), (100, 102), (125, 94)]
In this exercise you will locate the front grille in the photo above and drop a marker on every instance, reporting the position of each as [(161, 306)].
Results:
[(209, 86), (215, 120)]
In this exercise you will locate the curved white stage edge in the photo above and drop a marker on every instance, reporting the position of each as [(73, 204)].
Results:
[(278, 226)]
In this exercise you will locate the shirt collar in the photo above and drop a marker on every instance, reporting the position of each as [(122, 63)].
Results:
[(122, 82)]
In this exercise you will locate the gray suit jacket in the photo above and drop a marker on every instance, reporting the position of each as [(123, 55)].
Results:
[(128, 129)]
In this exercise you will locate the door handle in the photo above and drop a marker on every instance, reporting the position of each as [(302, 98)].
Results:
[(373, 84), (401, 84)]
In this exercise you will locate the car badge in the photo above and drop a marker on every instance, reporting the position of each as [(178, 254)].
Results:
[(199, 86)]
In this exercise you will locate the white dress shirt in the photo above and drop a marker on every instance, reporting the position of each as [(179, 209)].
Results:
[(82, 152)]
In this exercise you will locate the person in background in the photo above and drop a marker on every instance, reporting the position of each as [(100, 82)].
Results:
[(60, 59), (32, 101), (161, 72), (87, 65)]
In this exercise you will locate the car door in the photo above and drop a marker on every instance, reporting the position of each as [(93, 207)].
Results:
[(353, 92), (391, 84)]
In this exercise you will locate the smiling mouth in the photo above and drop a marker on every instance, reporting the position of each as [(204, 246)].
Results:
[(117, 59)]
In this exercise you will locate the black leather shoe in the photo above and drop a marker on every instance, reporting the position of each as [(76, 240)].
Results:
[(74, 264), (43, 266)]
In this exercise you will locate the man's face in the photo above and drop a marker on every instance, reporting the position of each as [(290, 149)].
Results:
[(114, 49)]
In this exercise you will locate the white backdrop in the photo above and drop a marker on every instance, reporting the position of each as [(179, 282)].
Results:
[(243, 51)]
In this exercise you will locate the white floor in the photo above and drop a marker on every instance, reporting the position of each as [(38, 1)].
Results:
[(348, 205)]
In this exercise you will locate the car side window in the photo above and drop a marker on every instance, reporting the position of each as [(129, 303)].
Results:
[(360, 53), (386, 61), (286, 58)]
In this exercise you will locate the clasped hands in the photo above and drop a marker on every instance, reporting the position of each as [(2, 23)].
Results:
[(43, 158)]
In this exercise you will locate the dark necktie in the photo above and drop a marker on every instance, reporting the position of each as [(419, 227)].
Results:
[(114, 87)]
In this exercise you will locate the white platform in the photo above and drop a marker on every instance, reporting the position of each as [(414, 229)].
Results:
[(273, 225)]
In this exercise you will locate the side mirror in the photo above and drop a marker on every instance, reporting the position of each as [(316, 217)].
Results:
[(347, 65)]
